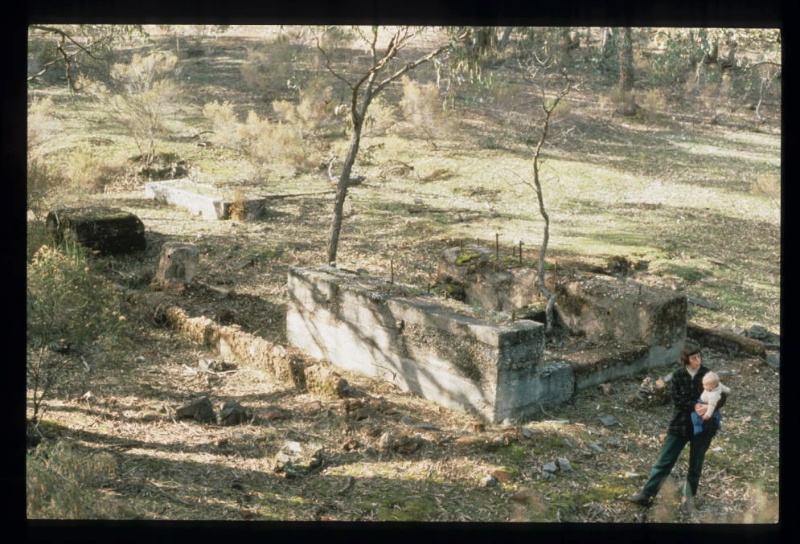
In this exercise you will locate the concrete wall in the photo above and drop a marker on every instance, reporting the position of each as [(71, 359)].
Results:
[(363, 324), (625, 315), (184, 194), (203, 200)]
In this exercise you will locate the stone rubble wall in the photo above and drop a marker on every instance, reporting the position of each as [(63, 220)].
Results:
[(231, 343)]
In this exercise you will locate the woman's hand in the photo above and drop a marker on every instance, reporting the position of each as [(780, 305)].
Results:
[(700, 409)]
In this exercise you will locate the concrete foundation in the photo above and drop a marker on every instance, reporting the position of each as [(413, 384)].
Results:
[(204, 200), (364, 324), (496, 370)]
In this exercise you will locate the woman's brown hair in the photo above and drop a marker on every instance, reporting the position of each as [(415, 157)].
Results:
[(685, 354)]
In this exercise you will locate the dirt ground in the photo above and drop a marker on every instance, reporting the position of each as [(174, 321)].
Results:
[(169, 468)]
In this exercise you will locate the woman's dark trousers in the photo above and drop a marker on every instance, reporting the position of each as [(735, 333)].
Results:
[(673, 445)]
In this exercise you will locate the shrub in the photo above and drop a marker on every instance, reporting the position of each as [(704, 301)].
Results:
[(422, 107), (68, 307), (64, 483), (87, 170), (270, 68), (768, 185), (141, 97), (653, 100), (285, 148), (225, 124), (41, 180)]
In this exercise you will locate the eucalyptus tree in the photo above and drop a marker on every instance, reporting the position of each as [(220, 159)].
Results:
[(75, 48), (387, 60)]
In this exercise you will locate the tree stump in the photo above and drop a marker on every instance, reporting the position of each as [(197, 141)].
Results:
[(105, 230)]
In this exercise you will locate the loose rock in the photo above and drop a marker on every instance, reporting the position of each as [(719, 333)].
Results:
[(232, 413), (199, 409)]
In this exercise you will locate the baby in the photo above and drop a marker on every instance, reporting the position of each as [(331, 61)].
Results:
[(712, 391)]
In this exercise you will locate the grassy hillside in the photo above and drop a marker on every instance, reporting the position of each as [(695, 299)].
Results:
[(691, 189)]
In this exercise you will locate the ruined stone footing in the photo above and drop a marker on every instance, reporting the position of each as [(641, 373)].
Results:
[(102, 229), (364, 324)]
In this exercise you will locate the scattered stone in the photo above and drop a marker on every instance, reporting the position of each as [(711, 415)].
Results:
[(605, 388), (232, 413), (597, 447), (314, 406), (759, 332), (651, 393), (199, 409), (274, 414), (386, 442), (773, 360), (550, 467), (296, 459), (503, 475), (564, 465), (477, 427), (177, 264), (608, 421), (212, 365), (489, 481)]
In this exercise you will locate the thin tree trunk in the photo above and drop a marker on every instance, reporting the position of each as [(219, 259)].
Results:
[(625, 60), (341, 193)]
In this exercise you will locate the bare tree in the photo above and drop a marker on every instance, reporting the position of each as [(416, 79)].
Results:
[(384, 67), (548, 105)]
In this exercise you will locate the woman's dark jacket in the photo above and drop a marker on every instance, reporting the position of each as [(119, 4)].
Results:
[(685, 393)]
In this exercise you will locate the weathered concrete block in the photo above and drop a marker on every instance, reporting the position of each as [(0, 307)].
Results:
[(107, 230), (494, 286), (178, 263), (205, 201), (614, 312), (365, 325)]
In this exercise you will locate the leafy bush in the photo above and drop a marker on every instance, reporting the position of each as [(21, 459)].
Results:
[(63, 483), (68, 307)]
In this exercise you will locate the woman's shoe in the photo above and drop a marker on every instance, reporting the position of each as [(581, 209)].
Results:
[(641, 499)]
